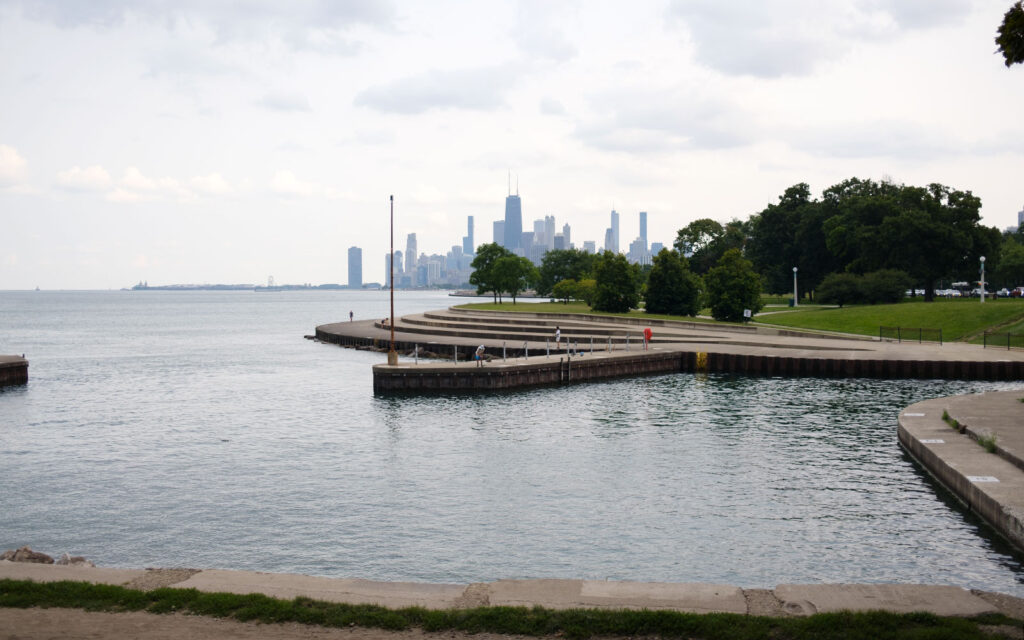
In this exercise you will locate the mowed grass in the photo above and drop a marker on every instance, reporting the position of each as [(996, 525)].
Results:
[(575, 624), (958, 319), (577, 307)]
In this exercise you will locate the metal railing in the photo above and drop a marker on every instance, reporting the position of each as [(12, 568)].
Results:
[(1003, 339), (910, 334)]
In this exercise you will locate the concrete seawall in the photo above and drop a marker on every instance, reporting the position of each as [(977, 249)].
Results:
[(991, 484), (13, 370)]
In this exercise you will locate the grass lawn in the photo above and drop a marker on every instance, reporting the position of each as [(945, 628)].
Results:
[(577, 307), (574, 624), (958, 319)]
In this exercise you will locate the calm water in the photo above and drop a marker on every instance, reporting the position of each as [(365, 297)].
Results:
[(199, 429)]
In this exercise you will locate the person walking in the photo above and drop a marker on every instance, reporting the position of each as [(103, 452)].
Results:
[(558, 337)]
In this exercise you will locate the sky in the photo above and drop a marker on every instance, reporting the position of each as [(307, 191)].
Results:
[(194, 141)]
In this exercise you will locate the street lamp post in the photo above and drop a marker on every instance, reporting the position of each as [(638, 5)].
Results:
[(796, 298), (392, 354), (983, 279)]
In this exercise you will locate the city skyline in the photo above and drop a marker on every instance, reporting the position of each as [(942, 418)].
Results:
[(192, 142)]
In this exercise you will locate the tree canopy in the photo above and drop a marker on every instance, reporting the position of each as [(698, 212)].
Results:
[(483, 275), (671, 288), (513, 275), (617, 281), (1010, 38), (563, 264), (733, 286)]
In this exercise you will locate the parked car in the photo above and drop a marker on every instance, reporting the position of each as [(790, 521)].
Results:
[(1003, 293)]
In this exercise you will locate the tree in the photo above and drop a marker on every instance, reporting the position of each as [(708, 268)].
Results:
[(483, 268), (563, 264), (1011, 35), (840, 289), (671, 288), (733, 286), (885, 286), (1010, 272), (566, 290), (704, 241), (513, 274), (586, 291), (617, 288)]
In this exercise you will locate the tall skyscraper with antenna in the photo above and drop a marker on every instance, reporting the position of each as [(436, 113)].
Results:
[(513, 219)]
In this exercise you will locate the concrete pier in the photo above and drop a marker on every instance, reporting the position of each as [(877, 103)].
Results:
[(612, 347), (946, 436), (13, 370)]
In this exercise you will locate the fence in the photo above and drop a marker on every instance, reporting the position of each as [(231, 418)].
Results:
[(908, 334), (1000, 340)]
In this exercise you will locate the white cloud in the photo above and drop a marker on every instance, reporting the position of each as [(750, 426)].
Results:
[(551, 107), (213, 185), (94, 178), (285, 183), (284, 101), (12, 167), (480, 89), (540, 30), (776, 38)]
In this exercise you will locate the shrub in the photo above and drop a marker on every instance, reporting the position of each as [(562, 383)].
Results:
[(884, 286), (840, 289)]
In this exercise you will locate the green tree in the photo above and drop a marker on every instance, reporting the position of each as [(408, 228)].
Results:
[(563, 264), (513, 275), (483, 268), (704, 241), (672, 288), (586, 291), (566, 290), (840, 289), (733, 286), (1010, 272), (617, 286), (1011, 35), (885, 286)]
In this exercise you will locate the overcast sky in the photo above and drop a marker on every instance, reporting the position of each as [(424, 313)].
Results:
[(190, 141)]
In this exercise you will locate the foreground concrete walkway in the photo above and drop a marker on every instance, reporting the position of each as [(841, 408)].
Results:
[(554, 594)]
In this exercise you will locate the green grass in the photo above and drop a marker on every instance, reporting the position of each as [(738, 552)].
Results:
[(579, 307), (536, 621), (988, 442), (957, 318)]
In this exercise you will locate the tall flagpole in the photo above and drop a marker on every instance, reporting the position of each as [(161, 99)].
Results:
[(392, 354)]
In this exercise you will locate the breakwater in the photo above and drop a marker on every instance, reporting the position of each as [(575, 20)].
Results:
[(13, 370)]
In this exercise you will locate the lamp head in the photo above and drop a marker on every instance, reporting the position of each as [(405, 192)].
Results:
[(982, 259)]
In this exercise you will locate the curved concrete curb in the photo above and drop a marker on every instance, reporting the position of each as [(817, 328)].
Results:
[(990, 484)]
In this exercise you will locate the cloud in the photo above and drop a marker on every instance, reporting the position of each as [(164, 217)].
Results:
[(895, 139), (315, 25), (674, 121), (552, 107), (285, 183), (94, 178), (792, 37), (12, 167), (540, 30), (213, 184), (284, 101), (480, 89)]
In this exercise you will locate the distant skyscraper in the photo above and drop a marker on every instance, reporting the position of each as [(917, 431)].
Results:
[(609, 240), (643, 228), (615, 231), (499, 232), (538, 231), (560, 242), (410, 253), (1020, 218), (398, 267), (589, 246), (567, 234), (387, 271), (656, 248), (468, 247), (549, 232), (513, 219), (355, 267)]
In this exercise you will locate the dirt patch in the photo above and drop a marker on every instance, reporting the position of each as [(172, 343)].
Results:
[(73, 624), (762, 602), (159, 578)]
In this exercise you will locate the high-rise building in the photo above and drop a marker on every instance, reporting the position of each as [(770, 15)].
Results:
[(513, 222), (387, 269), (615, 230), (1020, 218), (538, 231), (567, 234), (398, 266), (355, 268), (468, 247), (499, 232), (549, 232), (590, 246), (656, 248), (609, 240), (560, 242), (643, 229), (410, 253)]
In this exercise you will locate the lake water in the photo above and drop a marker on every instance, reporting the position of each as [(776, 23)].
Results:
[(200, 429)]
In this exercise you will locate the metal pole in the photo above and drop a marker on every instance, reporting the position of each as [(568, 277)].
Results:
[(547, 348), (416, 353), (591, 345), (392, 354), (609, 343), (503, 357), (455, 353), (796, 298), (983, 279), (526, 350), (627, 342)]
